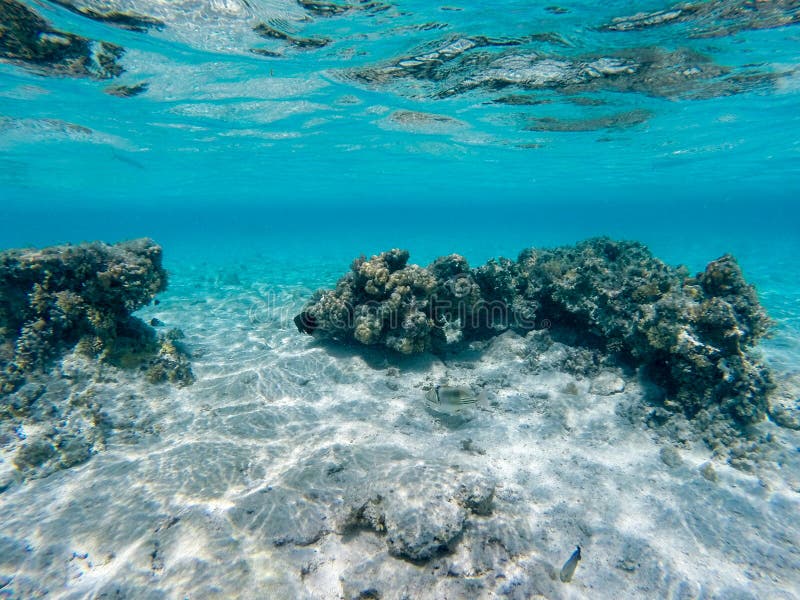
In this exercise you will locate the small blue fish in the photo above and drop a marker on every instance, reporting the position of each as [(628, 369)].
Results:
[(568, 570)]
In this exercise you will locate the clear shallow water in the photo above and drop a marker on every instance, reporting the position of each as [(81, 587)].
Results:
[(281, 169), (220, 122)]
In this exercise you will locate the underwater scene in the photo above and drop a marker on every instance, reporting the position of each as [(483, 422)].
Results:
[(360, 299)]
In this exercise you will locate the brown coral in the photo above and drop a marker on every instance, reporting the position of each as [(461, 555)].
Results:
[(693, 336)]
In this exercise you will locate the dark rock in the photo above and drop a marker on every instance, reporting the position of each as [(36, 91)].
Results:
[(265, 52), (33, 454), (323, 9), (421, 533), (74, 449), (266, 31), (476, 495), (320, 8), (714, 18), (61, 297), (691, 336), (28, 39), (125, 20), (521, 100), (126, 91)]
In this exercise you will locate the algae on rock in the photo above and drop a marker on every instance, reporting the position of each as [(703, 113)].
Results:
[(65, 314), (693, 336), (63, 297)]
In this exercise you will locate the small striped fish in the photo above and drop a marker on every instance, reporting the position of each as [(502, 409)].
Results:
[(450, 399)]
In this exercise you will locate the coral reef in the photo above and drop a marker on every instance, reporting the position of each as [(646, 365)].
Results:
[(66, 330), (692, 336), (61, 297), (27, 38)]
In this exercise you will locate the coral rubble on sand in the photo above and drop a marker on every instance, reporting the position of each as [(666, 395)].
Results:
[(690, 335), (64, 298)]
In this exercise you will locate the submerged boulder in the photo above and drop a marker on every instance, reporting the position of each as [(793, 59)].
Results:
[(66, 330), (55, 299), (692, 336)]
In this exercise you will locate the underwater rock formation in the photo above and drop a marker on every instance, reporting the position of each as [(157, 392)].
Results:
[(123, 19), (692, 336), (715, 18), (61, 297), (458, 65), (66, 324), (271, 33), (426, 525), (28, 39)]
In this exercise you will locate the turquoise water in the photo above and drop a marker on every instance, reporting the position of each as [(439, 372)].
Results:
[(297, 151), (225, 143), (478, 128)]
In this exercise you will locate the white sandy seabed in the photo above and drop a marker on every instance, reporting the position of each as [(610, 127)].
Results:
[(295, 470)]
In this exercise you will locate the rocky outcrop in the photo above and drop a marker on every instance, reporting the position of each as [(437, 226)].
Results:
[(692, 336), (66, 330), (63, 297)]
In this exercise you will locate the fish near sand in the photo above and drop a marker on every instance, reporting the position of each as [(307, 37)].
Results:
[(305, 322), (450, 399), (568, 570)]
